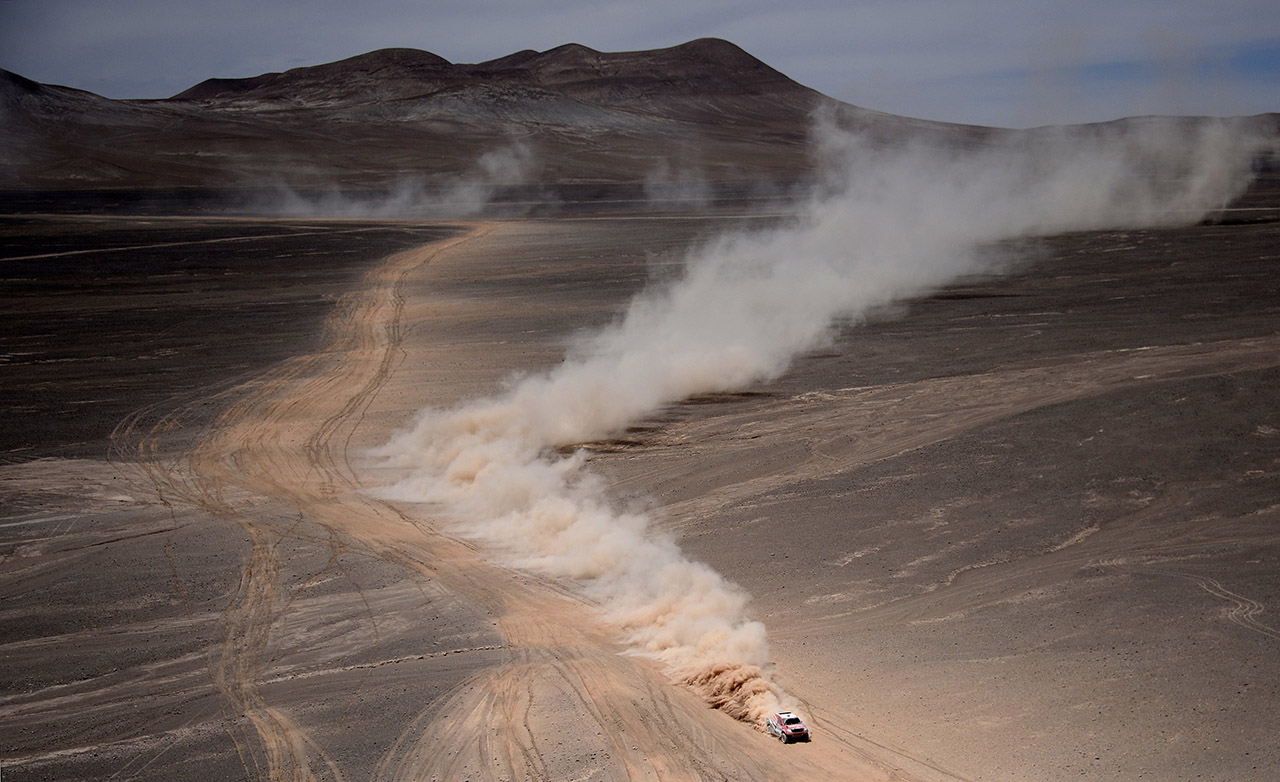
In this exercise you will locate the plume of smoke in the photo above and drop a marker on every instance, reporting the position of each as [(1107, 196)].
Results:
[(891, 223), (467, 195)]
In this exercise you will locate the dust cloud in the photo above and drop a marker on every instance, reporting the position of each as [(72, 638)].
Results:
[(686, 187), (514, 164), (886, 224)]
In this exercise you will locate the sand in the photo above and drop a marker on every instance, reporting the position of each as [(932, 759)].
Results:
[(1023, 529)]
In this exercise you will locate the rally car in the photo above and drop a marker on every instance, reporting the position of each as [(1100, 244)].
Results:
[(787, 727)]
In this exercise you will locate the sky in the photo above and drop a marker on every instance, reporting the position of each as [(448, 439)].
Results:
[(1012, 63)]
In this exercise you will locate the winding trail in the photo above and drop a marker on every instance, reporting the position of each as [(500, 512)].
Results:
[(567, 703)]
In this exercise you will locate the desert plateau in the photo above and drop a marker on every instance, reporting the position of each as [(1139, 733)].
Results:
[(562, 416)]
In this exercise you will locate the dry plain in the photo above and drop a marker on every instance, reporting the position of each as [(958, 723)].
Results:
[(1024, 528)]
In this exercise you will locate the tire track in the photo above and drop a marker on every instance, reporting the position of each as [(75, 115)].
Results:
[(286, 438), (239, 462), (1243, 611), (255, 447)]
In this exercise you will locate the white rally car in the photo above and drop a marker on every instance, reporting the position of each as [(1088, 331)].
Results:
[(787, 727)]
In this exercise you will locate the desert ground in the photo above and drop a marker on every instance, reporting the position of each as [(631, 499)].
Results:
[(1024, 528)]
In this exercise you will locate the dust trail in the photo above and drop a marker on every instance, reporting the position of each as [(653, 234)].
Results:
[(687, 187), (890, 223), (466, 195)]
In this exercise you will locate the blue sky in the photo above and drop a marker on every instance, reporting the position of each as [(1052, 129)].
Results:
[(997, 62)]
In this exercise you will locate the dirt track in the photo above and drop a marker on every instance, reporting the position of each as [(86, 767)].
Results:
[(566, 704), (562, 701)]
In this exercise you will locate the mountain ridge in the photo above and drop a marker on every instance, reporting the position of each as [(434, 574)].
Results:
[(703, 110), (706, 108), (699, 66)]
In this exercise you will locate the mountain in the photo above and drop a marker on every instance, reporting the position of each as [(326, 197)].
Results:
[(705, 106), (698, 68)]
